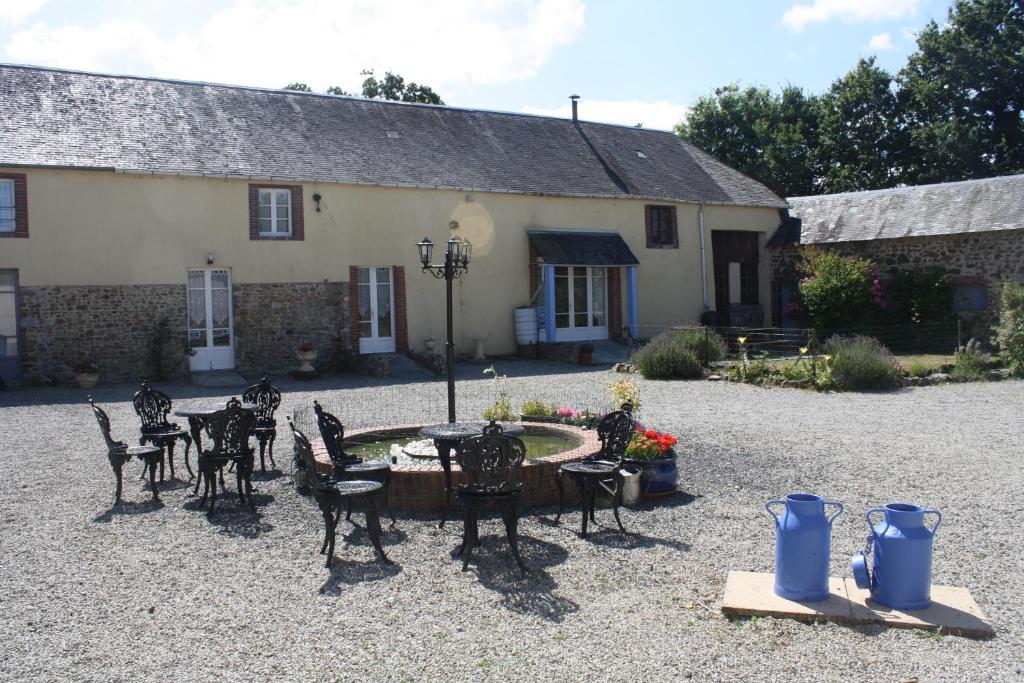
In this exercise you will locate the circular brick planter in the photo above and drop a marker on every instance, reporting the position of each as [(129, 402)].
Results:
[(420, 486)]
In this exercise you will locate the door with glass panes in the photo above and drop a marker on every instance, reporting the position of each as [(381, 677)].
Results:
[(376, 299), (9, 358), (210, 333), (581, 303)]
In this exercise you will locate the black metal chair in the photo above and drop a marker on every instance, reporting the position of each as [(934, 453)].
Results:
[(349, 466), (228, 431), (268, 398), (119, 453), (602, 470), (490, 465), (331, 495), (152, 407)]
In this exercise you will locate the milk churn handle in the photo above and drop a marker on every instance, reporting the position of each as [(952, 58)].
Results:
[(938, 520), (767, 506), (837, 504), (867, 516)]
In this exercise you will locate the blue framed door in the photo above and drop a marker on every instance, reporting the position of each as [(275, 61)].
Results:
[(10, 348)]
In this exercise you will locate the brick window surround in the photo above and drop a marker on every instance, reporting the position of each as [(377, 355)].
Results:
[(298, 216), (401, 319), (20, 205), (660, 227)]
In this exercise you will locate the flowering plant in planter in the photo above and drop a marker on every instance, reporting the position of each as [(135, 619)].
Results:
[(87, 367), (647, 444), (306, 347)]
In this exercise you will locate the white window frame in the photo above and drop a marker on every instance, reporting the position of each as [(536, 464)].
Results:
[(13, 207), (588, 332), (273, 232)]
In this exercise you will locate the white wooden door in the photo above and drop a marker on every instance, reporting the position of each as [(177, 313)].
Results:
[(581, 303), (211, 337), (376, 310)]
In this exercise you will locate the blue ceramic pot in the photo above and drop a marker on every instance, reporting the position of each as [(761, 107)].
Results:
[(658, 477)]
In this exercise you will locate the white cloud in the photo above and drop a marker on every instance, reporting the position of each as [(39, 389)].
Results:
[(13, 11), (324, 42), (881, 41), (661, 115), (798, 16)]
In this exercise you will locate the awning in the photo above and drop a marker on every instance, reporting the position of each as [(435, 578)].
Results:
[(581, 248)]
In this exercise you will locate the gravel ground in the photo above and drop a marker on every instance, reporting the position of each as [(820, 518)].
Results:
[(92, 593)]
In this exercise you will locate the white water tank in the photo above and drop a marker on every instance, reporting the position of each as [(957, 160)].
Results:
[(526, 326)]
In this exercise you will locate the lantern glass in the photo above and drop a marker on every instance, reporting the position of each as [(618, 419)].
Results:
[(467, 252), (455, 248), (426, 248)]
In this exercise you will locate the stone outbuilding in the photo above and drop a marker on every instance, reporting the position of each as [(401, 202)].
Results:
[(974, 230)]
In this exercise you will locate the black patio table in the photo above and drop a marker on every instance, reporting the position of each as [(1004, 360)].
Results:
[(447, 436), (197, 418)]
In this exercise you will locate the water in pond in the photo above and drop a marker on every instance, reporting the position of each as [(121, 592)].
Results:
[(537, 446)]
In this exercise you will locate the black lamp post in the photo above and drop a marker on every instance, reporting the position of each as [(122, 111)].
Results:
[(456, 263)]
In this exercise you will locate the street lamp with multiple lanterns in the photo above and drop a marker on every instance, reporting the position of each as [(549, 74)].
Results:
[(456, 263)]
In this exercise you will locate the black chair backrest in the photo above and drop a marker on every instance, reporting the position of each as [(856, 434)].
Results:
[(491, 461), (305, 461), (267, 397), (333, 434), (152, 407), (104, 421), (615, 430), (229, 430)]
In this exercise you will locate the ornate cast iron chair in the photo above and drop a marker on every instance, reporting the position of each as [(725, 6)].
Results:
[(152, 407), (119, 453), (349, 466), (601, 471), (268, 398), (228, 431), (332, 495), (490, 465)]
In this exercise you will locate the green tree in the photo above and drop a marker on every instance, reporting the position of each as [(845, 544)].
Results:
[(394, 87), (963, 92), (765, 135), (336, 90), (838, 293), (301, 87), (861, 143)]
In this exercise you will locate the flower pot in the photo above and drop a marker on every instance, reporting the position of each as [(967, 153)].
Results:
[(306, 358), (87, 380), (428, 344), (658, 477)]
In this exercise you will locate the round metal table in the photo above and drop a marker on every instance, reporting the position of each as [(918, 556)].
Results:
[(447, 436)]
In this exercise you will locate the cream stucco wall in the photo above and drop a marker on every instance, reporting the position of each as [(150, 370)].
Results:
[(94, 228)]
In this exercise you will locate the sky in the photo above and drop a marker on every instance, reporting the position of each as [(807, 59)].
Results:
[(639, 61)]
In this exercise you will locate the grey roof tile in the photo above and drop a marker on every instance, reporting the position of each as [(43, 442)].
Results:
[(60, 118)]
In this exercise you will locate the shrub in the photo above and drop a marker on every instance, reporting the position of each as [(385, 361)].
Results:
[(971, 363), (536, 408), (625, 391), (501, 410), (1010, 328), (918, 368), (668, 359), (862, 363), (705, 344), (838, 292)]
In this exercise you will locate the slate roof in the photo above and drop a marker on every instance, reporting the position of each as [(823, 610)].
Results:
[(582, 248), (918, 211), (71, 119)]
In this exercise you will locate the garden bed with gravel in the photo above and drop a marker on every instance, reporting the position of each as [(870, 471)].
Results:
[(144, 592)]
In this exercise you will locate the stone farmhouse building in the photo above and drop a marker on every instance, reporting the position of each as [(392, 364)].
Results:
[(973, 229), (195, 227)]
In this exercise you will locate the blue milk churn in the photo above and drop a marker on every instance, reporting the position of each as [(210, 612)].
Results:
[(902, 544), (802, 537)]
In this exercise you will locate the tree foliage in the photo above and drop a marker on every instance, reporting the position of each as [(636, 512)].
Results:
[(394, 87), (838, 292), (954, 112), (301, 87)]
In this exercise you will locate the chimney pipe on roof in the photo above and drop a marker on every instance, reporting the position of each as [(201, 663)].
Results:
[(575, 117)]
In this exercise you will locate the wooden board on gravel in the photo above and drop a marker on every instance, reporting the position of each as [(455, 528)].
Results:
[(953, 610)]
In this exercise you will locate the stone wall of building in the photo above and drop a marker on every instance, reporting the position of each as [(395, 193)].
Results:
[(120, 328), (982, 258), (140, 331)]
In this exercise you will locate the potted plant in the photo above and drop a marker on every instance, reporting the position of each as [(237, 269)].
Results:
[(653, 454), (306, 353), (536, 410), (586, 354), (87, 374)]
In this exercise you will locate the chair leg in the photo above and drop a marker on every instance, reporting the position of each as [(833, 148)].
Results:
[(587, 493), (270, 450), (373, 528), (188, 445), (328, 521), (263, 446), (616, 502), (348, 515), (170, 456), (119, 477), (212, 479), (223, 488), (332, 532), (386, 497), (152, 476), (561, 495), (447, 507), (510, 515), (239, 482), (469, 535)]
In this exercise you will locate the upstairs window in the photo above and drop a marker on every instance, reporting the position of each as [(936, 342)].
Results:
[(661, 227), (8, 222), (275, 212)]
